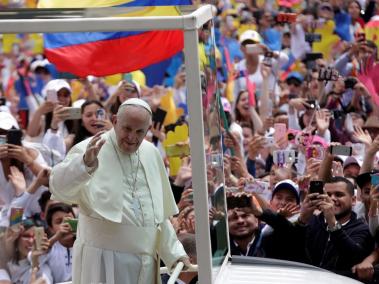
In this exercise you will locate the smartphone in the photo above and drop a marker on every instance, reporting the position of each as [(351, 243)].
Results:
[(101, 114), (74, 113), (281, 157), (16, 216), (51, 96), (316, 152), (341, 150), (39, 233), (14, 136), (73, 224), (254, 49), (350, 82), (3, 139), (316, 186), (256, 187), (159, 116), (280, 131), (177, 150), (309, 37)]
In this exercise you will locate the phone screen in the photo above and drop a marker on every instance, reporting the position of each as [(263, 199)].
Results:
[(341, 150), (280, 131)]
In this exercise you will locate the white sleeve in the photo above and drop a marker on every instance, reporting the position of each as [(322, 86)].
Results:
[(55, 141), (282, 59), (69, 177), (171, 249), (4, 276)]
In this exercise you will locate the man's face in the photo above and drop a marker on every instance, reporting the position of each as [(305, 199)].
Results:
[(343, 201), (241, 223), (294, 86), (281, 198), (131, 127)]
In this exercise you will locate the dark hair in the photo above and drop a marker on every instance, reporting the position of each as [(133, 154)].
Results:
[(81, 133), (349, 185), (42, 201), (58, 207), (70, 124), (238, 116), (26, 224)]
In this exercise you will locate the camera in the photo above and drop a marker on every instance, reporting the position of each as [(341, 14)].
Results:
[(328, 74)]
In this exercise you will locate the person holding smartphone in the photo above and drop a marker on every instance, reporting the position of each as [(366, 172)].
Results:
[(52, 116), (89, 124), (335, 239)]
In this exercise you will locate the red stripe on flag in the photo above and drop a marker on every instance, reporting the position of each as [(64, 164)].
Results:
[(107, 57)]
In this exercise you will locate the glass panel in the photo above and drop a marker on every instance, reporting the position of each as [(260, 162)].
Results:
[(213, 143)]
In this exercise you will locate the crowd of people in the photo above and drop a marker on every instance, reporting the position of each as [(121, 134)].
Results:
[(296, 82)]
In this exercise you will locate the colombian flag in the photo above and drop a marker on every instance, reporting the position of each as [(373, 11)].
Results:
[(107, 53)]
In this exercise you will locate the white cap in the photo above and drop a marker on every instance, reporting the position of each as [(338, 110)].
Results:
[(287, 184), (352, 160), (7, 121), (38, 63), (138, 102), (56, 85), (250, 35)]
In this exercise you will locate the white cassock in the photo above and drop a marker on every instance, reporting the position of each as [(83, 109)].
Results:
[(115, 245)]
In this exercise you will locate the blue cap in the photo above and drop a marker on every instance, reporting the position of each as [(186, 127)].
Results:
[(295, 75)]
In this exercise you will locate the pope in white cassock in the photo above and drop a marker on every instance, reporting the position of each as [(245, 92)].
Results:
[(119, 181)]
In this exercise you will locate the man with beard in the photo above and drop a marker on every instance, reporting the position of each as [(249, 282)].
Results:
[(244, 229), (335, 239)]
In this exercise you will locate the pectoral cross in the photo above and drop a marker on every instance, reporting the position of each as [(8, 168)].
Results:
[(136, 207)]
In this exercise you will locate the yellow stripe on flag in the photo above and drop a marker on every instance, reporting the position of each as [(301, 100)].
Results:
[(134, 11), (80, 4)]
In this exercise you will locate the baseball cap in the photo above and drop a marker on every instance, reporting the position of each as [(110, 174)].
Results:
[(295, 75), (7, 121), (351, 161), (57, 85), (250, 35), (287, 184)]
